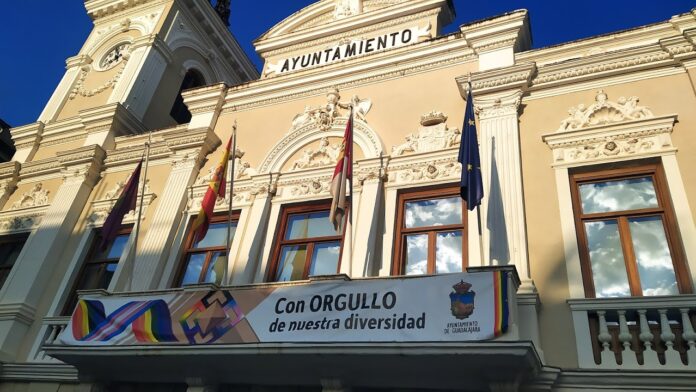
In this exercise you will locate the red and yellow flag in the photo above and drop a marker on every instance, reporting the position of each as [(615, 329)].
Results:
[(342, 172), (216, 189)]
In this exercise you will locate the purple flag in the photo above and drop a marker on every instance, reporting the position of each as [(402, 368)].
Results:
[(126, 202)]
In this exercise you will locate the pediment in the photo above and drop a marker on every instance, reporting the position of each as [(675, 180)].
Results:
[(325, 12)]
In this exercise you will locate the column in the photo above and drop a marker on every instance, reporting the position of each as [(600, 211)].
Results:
[(368, 223), (502, 208), (251, 231), (153, 249), (34, 267)]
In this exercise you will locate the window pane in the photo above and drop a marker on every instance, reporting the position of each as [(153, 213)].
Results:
[(9, 252), (216, 268), (434, 212), (194, 265), (652, 255), (96, 276), (216, 235), (621, 195), (325, 258), (292, 263), (448, 253), (416, 254), (117, 247), (315, 224), (606, 259)]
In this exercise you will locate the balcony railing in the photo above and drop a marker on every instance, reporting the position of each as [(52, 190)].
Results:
[(50, 330), (650, 333)]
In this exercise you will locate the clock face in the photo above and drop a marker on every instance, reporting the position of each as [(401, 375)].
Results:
[(114, 56)]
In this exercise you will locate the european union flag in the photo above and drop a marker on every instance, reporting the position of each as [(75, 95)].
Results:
[(472, 183)]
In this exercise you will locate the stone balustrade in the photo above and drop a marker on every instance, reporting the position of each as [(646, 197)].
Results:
[(649, 333), (52, 328)]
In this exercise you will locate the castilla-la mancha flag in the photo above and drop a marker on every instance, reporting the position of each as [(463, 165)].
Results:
[(216, 189), (342, 172)]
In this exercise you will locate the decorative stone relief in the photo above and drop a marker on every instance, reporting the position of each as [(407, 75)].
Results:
[(241, 169), (115, 192), (346, 8), (102, 208), (311, 187), (20, 223), (433, 135), (604, 112), (425, 171), (324, 116), (79, 88), (325, 155), (35, 197)]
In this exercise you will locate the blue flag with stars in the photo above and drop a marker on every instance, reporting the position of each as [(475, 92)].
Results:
[(472, 183)]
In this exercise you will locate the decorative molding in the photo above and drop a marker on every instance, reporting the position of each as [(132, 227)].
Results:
[(430, 167), (433, 135), (612, 142), (325, 116), (325, 155), (21, 223), (497, 80), (284, 149), (242, 169), (604, 112), (79, 88), (35, 197), (101, 208)]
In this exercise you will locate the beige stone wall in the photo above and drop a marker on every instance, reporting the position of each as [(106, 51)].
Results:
[(665, 95), (50, 151)]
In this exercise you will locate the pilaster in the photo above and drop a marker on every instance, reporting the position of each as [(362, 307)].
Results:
[(190, 147), (59, 96), (252, 228), (34, 267), (368, 214), (26, 140), (155, 55), (9, 176), (497, 99)]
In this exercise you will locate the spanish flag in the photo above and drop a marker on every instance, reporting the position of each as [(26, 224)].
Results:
[(216, 189), (342, 172)]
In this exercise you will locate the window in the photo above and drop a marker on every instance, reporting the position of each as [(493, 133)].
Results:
[(205, 261), (627, 234), (99, 268), (10, 247), (180, 112), (307, 244), (431, 232)]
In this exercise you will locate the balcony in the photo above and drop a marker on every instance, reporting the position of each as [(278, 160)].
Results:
[(249, 356), (637, 333)]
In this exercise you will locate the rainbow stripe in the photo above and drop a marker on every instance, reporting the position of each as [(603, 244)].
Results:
[(150, 321), (502, 311)]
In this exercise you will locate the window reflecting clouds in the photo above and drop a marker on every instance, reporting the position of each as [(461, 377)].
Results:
[(655, 266), (434, 212), (449, 252), (292, 262), (607, 260), (621, 195), (416, 254)]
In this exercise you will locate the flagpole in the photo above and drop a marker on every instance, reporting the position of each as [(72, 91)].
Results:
[(140, 209), (478, 207), (352, 199), (229, 205)]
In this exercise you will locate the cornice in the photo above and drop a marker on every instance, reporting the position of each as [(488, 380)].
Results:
[(132, 154), (37, 170), (97, 9), (17, 312), (509, 30), (27, 135), (489, 82), (602, 65), (38, 372), (207, 99), (191, 139), (78, 61), (153, 40), (9, 170)]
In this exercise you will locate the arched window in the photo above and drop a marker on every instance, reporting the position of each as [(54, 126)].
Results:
[(180, 112)]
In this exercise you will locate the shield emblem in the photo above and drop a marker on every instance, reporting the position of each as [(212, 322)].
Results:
[(462, 300)]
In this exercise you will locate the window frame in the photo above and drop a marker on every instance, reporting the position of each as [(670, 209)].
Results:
[(617, 172), (188, 243), (281, 230), (90, 260), (7, 239), (400, 231)]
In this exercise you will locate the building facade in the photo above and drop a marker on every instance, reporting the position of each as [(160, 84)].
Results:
[(587, 171)]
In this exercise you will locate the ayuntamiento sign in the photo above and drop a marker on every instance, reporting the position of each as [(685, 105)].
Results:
[(452, 307)]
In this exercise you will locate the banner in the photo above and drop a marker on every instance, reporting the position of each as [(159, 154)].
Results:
[(452, 307)]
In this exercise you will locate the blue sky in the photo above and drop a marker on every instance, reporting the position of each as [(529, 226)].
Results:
[(38, 36)]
